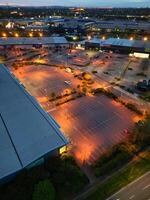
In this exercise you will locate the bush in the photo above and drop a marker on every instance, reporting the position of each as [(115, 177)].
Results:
[(141, 133), (129, 68), (113, 159), (111, 95), (130, 90), (44, 190), (133, 108), (98, 91), (122, 86), (141, 74), (94, 71), (111, 165)]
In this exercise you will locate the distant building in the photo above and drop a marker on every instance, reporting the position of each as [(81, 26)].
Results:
[(37, 28), (119, 45), (28, 135), (51, 42), (118, 25)]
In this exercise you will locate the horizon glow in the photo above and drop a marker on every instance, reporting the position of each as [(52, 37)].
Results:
[(78, 3)]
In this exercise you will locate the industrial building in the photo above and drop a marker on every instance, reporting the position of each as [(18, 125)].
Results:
[(120, 25), (119, 45), (28, 135), (58, 42)]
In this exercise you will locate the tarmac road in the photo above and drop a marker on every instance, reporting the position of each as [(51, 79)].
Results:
[(137, 190)]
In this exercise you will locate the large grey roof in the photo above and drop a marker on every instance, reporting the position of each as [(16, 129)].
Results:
[(32, 41), (27, 132), (121, 42)]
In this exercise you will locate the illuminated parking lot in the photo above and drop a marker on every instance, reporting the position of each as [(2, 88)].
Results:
[(92, 124)]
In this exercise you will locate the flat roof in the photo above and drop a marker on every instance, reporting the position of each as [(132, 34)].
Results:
[(27, 132), (32, 41), (121, 42), (123, 24)]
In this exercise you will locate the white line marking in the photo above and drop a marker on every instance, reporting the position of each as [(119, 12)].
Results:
[(127, 186), (51, 110), (132, 196), (147, 186)]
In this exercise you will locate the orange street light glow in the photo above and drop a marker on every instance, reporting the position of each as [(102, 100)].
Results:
[(4, 35), (16, 35), (41, 34), (103, 38), (31, 34)]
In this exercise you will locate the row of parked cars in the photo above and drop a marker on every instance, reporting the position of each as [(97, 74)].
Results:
[(143, 85)]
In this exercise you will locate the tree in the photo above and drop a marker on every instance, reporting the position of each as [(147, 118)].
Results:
[(78, 86), (84, 90), (44, 190), (141, 133), (53, 95)]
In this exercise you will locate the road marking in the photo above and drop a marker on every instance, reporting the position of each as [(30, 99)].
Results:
[(132, 196), (147, 186), (127, 186), (53, 109)]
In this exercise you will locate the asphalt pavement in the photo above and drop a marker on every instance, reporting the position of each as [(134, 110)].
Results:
[(137, 190)]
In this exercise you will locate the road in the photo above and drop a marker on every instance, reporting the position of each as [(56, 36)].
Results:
[(137, 190)]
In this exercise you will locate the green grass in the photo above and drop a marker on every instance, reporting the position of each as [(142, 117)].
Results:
[(122, 178)]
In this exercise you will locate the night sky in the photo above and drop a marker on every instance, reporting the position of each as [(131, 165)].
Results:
[(86, 3)]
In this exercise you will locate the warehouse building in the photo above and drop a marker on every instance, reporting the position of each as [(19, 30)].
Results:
[(119, 45), (51, 42), (120, 25), (28, 135)]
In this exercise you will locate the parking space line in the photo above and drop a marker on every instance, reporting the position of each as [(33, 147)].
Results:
[(132, 196)]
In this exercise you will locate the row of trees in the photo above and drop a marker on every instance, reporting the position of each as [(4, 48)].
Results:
[(58, 178)]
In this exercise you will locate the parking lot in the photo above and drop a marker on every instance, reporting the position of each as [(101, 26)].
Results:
[(41, 81), (93, 124), (120, 69)]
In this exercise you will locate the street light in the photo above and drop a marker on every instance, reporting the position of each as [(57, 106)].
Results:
[(131, 38), (31, 34), (41, 34), (89, 37), (16, 35), (103, 38), (74, 37), (4, 35), (145, 38)]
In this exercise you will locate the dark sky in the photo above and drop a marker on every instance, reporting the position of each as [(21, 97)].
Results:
[(88, 3)]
